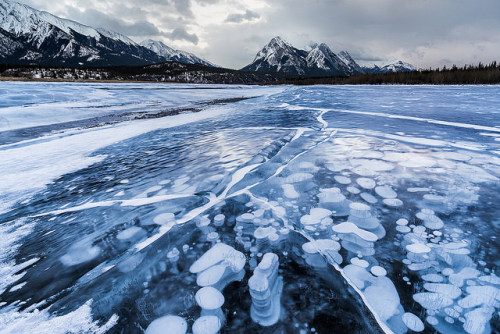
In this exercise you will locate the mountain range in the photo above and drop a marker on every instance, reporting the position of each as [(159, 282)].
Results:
[(279, 56), (30, 36)]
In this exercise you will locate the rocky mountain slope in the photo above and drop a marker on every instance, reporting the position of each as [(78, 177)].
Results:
[(280, 56), (30, 36)]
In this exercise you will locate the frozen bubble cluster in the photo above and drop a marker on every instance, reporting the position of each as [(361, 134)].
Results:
[(265, 288), (219, 266)]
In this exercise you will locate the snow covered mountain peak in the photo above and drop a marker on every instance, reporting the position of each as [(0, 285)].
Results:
[(280, 56), (398, 66), (31, 36), (19, 19), (172, 54)]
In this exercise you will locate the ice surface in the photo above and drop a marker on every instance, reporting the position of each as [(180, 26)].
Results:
[(313, 183)]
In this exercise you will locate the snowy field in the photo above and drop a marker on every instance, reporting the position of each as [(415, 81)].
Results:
[(344, 209)]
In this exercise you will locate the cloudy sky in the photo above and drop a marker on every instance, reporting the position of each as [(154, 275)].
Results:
[(230, 32)]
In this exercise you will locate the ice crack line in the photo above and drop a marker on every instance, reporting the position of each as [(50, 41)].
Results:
[(237, 176)]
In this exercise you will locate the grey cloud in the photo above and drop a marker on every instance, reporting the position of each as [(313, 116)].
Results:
[(424, 32), (247, 16), (183, 7), (182, 34), (207, 2), (97, 19)]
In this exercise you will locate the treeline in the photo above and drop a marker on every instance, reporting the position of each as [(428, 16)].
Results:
[(189, 73), (162, 72), (466, 75)]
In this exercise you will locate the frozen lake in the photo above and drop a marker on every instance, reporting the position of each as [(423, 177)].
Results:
[(323, 209)]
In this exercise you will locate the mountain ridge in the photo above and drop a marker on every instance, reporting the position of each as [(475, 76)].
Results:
[(31, 36), (279, 56)]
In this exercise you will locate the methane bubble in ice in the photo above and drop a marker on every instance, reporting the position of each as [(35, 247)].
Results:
[(164, 218), (219, 266), (368, 198), (80, 252), (432, 300), (332, 199), (342, 179), (385, 192), (265, 289), (430, 219), (209, 324), (168, 324), (392, 202), (378, 271), (383, 297), (209, 298), (366, 183), (413, 322)]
